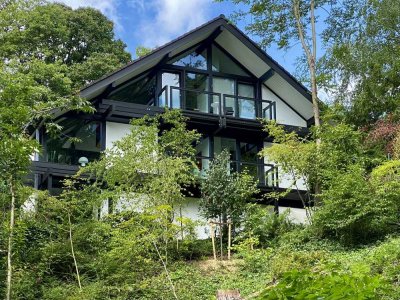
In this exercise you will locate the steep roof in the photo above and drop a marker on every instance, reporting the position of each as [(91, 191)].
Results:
[(232, 39)]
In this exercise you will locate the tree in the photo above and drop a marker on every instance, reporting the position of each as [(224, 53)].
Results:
[(83, 39), (363, 59), (284, 23), (142, 51), (225, 193), (34, 89), (47, 51), (297, 158)]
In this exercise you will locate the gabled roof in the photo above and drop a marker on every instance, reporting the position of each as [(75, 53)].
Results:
[(232, 39)]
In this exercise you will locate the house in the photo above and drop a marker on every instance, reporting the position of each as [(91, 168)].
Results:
[(220, 79)]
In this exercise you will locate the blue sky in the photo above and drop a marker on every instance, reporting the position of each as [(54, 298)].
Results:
[(152, 23)]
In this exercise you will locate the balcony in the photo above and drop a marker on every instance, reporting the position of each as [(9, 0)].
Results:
[(219, 104), (266, 175)]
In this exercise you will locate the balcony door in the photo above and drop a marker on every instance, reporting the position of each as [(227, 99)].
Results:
[(223, 86), (246, 102), (170, 95)]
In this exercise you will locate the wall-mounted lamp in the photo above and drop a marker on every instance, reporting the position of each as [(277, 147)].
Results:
[(83, 161)]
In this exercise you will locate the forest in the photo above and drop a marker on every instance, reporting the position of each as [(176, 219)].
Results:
[(349, 247)]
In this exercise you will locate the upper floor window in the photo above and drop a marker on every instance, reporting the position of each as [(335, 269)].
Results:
[(222, 63), (192, 59)]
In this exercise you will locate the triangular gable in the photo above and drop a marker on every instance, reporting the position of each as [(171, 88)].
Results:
[(239, 46)]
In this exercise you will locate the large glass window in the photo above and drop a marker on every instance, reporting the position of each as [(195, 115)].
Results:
[(224, 86), (171, 95), (224, 64), (195, 96), (203, 155), (192, 60), (228, 144), (249, 158), (247, 107), (141, 91), (77, 139)]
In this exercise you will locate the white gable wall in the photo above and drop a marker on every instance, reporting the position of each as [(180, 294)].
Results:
[(287, 92), (284, 114)]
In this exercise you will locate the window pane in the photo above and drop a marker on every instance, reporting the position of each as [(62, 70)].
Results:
[(192, 60), (225, 143), (222, 63), (224, 86), (78, 138), (203, 154), (248, 152), (246, 90), (247, 107), (141, 91), (248, 159), (196, 100), (170, 80)]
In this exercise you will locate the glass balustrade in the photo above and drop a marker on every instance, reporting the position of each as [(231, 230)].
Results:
[(265, 174), (216, 103)]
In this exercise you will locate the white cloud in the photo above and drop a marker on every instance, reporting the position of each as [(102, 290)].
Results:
[(172, 18), (107, 7), (155, 22)]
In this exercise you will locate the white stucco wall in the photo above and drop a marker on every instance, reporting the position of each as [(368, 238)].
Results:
[(296, 215), (284, 114), (190, 209), (115, 132)]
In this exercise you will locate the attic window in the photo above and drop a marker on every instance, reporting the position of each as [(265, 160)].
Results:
[(191, 59), (221, 62)]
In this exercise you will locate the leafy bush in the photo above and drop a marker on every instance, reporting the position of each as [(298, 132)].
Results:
[(263, 224), (357, 209), (305, 284)]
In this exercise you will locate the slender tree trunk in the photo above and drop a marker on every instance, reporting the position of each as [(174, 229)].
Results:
[(311, 60), (311, 55), (73, 252), (314, 90), (166, 270), (220, 237), (10, 239)]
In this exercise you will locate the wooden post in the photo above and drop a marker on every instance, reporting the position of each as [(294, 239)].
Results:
[(213, 240), (220, 240), (229, 240)]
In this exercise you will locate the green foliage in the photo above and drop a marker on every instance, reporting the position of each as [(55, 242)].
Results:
[(274, 21), (305, 284), (82, 40), (142, 51), (224, 192), (152, 165), (363, 58), (351, 206), (264, 225)]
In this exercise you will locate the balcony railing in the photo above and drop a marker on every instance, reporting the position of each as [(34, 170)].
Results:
[(266, 175), (216, 103)]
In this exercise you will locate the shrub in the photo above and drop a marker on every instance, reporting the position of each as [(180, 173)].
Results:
[(305, 284), (264, 225)]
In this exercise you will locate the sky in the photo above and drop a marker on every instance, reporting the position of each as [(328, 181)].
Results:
[(152, 23)]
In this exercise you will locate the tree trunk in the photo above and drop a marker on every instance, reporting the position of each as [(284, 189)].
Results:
[(10, 239), (311, 55), (314, 90), (311, 60), (73, 252)]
